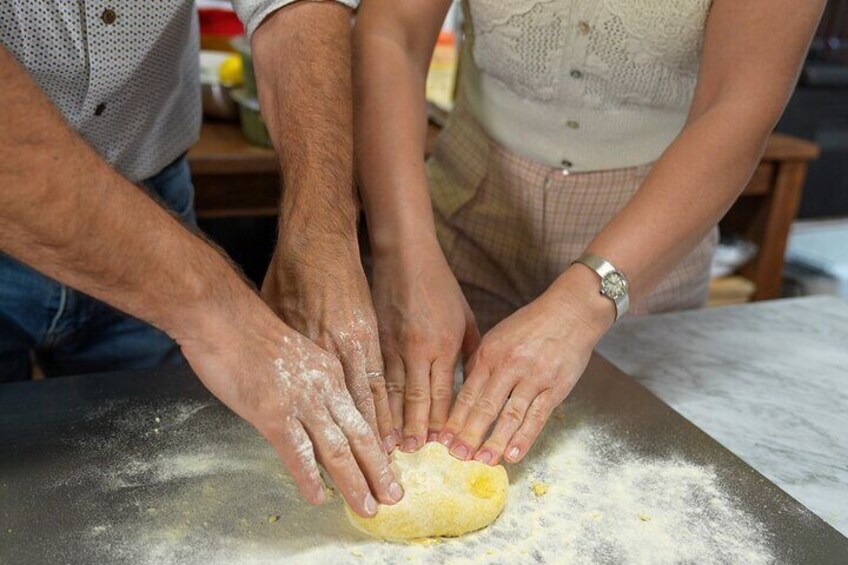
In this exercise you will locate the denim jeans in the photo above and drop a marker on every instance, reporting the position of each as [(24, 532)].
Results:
[(71, 333)]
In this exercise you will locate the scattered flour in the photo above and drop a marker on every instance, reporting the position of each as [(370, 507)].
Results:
[(203, 492)]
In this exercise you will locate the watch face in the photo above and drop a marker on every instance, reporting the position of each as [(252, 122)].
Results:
[(614, 285)]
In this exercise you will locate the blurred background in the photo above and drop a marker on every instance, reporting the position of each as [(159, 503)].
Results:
[(787, 235)]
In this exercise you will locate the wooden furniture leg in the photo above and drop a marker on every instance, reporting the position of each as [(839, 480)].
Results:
[(768, 225)]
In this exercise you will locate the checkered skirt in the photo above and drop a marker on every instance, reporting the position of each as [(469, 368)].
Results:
[(509, 225)]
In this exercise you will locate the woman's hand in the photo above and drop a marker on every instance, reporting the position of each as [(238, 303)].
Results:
[(425, 323), (525, 366)]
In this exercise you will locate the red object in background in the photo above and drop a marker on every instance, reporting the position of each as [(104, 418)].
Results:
[(219, 23)]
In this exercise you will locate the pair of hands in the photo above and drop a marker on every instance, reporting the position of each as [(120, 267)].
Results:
[(515, 375)]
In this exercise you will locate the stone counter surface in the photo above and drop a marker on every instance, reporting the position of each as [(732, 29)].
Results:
[(769, 381)]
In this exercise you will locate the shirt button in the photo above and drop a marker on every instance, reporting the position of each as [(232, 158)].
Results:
[(572, 124), (100, 109), (108, 16), (566, 164), (584, 28), (576, 73)]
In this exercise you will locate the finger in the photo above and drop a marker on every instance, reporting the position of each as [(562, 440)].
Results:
[(416, 403), (334, 453), (295, 449), (377, 384), (385, 426), (354, 363), (486, 408), (368, 453), (395, 386), (441, 393), (538, 413), (510, 419), (466, 398)]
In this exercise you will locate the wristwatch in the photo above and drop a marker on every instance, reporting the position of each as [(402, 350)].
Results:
[(614, 283)]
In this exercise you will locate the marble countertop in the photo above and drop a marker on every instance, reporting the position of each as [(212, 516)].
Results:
[(769, 381)]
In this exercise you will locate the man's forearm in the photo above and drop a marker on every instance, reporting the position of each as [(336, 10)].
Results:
[(302, 59), (68, 214)]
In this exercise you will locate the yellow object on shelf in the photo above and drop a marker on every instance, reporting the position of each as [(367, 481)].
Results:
[(231, 71)]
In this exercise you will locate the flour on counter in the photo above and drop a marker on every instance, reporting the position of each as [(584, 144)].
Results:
[(202, 492)]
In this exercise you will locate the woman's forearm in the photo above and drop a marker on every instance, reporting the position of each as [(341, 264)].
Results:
[(390, 120), (751, 58), (686, 193)]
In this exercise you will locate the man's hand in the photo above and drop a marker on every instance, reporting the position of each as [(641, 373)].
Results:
[(294, 393), (525, 367), (324, 295), (425, 323), (68, 214), (316, 282)]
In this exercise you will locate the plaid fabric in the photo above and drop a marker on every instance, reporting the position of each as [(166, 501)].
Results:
[(509, 225)]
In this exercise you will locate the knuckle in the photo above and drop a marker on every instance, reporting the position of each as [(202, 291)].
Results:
[(465, 398), (485, 352), (330, 363), (339, 450), (415, 338), (445, 341), (441, 391), (513, 413), (394, 387), (378, 390), (486, 407), (537, 417), (417, 394), (515, 356), (549, 380)]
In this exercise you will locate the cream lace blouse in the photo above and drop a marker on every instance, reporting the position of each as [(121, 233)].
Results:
[(583, 85)]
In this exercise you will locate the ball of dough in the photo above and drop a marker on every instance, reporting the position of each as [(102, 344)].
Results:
[(443, 496)]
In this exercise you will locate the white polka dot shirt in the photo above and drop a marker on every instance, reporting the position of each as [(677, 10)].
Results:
[(124, 73)]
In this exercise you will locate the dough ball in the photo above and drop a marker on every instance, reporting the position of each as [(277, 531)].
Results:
[(443, 497)]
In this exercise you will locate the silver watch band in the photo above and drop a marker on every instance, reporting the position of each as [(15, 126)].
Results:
[(605, 268)]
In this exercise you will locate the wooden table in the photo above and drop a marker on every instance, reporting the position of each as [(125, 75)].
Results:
[(234, 178)]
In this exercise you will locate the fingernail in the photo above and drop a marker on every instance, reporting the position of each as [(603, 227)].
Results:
[(446, 439), (432, 436), (389, 443), (409, 444), (460, 452), (370, 504), (484, 456), (395, 492), (513, 453), (320, 495)]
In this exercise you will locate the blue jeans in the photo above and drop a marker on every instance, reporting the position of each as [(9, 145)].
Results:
[(71, 333)]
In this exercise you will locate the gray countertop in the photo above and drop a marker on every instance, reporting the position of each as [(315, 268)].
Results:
[(149, 468), (769, 381)]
